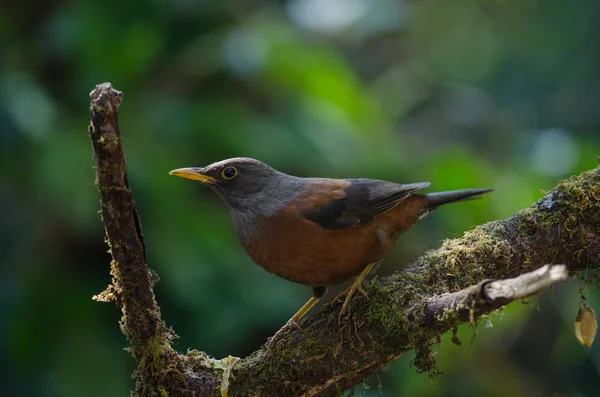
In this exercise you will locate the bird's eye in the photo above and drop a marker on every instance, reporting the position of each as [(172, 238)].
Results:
[(229, 173)]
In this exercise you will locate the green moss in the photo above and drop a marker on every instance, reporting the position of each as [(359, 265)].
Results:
[(381, 310), (424, 361), (455, 338)]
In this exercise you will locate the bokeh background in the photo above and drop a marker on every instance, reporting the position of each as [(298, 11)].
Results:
[(462, 93)]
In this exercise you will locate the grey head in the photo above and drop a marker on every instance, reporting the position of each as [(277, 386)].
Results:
[(249, 187)]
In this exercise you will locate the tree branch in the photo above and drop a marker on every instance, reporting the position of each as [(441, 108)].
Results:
[(132, 282), (444, 288), (489, 295)]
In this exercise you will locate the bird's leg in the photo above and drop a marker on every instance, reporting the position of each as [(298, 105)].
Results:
[(356, 286), (385, 242), (318, 293)]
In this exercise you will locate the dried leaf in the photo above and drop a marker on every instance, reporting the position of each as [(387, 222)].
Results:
[(586, 325)]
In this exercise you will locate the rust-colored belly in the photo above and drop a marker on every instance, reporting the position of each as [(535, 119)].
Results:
[(301, 251)]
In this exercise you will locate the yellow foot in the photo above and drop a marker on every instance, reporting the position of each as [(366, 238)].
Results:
[(339, 297), (318, 293), (356, 286), (291, 324), (346, 306)]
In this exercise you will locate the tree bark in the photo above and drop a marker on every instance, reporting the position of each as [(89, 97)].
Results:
[(462, 280)]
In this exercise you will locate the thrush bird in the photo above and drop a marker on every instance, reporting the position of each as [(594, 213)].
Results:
[(317, 231)]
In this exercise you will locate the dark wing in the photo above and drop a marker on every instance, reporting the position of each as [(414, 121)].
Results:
[(360, 201)]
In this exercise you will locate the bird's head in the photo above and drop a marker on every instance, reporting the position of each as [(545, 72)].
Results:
[(241, 182)]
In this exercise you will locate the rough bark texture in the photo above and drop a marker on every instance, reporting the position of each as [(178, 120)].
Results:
[(408, 310), (132, 282)]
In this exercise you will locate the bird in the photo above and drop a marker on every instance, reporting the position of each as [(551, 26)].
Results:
[(317, 231)]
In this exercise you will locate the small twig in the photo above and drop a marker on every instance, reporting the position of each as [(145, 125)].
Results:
[(489, 295), (504, 291)]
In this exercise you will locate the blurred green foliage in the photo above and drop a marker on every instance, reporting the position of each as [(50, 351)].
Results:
[(463, 93)]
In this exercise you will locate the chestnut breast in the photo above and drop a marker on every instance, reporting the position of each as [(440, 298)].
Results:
[(299, 249)]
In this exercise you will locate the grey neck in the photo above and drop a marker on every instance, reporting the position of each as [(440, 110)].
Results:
[(274, 195)]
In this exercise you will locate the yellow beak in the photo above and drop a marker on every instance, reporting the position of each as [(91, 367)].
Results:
[(193, 173)]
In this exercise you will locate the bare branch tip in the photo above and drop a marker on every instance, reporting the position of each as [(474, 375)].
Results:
[(105, 98), (558, 272)]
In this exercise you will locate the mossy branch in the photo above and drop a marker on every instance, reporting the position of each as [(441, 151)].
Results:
[(132, 282), (476, 300), (408, 310)]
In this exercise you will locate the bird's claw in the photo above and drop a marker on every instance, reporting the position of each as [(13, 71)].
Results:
[(349, 294), (356, 286), (362, 291), (291, 324)]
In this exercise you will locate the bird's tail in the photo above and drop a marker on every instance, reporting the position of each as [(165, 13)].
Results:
[(434, 200)]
